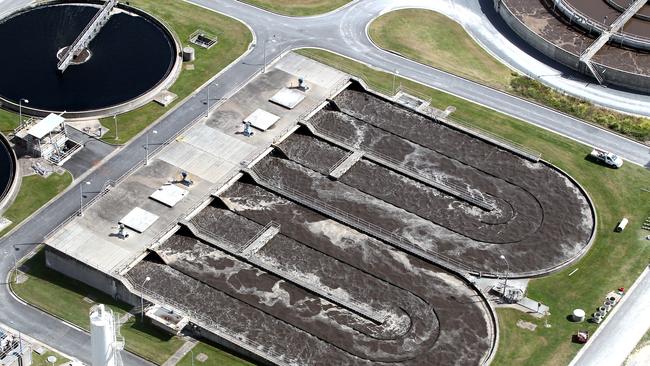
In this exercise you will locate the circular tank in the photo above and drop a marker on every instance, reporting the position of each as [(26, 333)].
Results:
[(188, 54), (132, 57), (8, 174)]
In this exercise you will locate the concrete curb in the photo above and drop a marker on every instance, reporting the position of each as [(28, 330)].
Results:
[(340, 8)]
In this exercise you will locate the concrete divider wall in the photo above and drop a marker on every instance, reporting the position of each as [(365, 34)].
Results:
[(88, 275), (532, 38)]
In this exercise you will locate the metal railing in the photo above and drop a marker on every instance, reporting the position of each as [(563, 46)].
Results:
[(207, 323), (353, 305), (357, 222), (517, 148), (82, 40), (247, 249), (454, 189)]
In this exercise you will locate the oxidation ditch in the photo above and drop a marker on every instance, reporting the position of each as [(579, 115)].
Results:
[(323, 290)]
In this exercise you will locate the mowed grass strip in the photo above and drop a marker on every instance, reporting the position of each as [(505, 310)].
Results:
[(615, 259), (41, 360), (184, 19), (436, 40), (298, 8), (35, 191), (67, 298), (215, 356), (8, 121)]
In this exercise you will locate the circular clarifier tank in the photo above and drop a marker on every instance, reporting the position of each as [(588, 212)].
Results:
[(131, 59), (7, 172)]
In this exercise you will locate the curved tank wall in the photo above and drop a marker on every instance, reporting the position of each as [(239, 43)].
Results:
[(123, 72), (8, 173), (611, 75)]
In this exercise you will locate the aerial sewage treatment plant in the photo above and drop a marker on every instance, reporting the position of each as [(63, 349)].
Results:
[(353, 236)]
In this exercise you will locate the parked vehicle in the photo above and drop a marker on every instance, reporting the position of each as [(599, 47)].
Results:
[(607, 158)]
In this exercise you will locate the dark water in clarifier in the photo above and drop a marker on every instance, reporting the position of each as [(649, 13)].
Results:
[(6, 167), (130, 55)]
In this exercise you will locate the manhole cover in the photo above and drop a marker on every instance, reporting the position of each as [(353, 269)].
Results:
[(201, 357)]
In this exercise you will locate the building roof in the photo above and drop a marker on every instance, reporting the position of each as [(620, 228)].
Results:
[(46, 125)]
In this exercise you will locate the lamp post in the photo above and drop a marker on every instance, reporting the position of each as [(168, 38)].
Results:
[(394, 79), (81, 197), (207, 101), (142, 298), (20, 110), (115, 120), (146, 148), (15, 261), (505, 283), (265, 42)]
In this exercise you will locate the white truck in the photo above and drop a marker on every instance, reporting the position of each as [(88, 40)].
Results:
[(607, 158)]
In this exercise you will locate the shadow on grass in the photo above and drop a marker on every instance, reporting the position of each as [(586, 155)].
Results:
[(145, 326), (36, 268)]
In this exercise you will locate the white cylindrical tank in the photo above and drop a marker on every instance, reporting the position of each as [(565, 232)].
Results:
[(102, 336), (188, 54), (578, 315), (621, 225)]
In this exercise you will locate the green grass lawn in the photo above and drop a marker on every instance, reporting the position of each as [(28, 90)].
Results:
[(41, 360), (215, 357), (615, 260), (184, 18), (35, 191), (298, 8), (433, 39), (63, 297), (8, 121)]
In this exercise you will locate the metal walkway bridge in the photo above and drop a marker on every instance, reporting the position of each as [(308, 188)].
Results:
[(606, 35), (362, 225), (472, 196), (87, 35)]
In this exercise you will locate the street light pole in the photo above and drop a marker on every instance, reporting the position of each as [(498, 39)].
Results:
[(146, 148), (394, 79), (15, 262), (20, 110), (265, 42), (81, 197), (142, 298), (505, 283), (115, 120), (207, 102)]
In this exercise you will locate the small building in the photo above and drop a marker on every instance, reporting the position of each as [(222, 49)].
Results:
[(47, 138), (14, 351)]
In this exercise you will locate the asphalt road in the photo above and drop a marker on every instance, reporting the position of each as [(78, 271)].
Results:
[(342, 31)]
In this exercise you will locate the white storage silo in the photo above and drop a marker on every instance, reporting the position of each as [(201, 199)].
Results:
[(103, 336)]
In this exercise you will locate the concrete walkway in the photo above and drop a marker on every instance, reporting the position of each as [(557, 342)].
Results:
[(181, 352), (624, 327)]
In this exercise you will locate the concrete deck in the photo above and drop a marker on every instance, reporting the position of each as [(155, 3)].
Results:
[(211, 152)]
